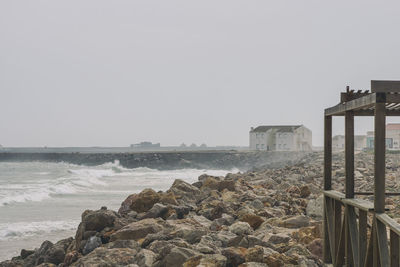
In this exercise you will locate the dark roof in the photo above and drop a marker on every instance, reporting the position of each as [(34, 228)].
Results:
[(278, 128)]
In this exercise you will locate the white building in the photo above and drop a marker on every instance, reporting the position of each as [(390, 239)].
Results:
[(338, 142), (281, 138), (393, 135)]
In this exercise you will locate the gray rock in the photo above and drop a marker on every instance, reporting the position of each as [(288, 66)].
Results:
[(137, 230), (92, 243), (158, 210), (107, 257), (315, 207), (178, 256), (241, 228), (145, 258), (279, 238), (296, 222)]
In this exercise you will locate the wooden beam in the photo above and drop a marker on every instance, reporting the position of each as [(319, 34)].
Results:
[(380, 147), (370, 112), (359, 103), (380, 86), (353, 235), (334, 194), (328, 153), (361, 204), (362, 236), (337, 222), (389, 222), (394, 249), (382, 243), (349, 154)]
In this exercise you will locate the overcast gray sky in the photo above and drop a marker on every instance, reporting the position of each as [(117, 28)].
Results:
[(112, 73)]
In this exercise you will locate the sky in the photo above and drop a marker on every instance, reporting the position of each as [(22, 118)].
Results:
[(113, 73)]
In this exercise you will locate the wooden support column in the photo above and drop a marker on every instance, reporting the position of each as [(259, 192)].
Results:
[(349, 179), (349, 156), (328, 153), (327, 184), (380, 147)]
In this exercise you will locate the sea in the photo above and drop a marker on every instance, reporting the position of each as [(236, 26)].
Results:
[(44, 201)]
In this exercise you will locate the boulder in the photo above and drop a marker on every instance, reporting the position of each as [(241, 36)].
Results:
[(255, 254), (315, 207), (305, 191), (296, 222), (234, 256), (137, 230), (145, 258), (158, 210), (253, 220), (92, 243), (241, 228), (178, 256), (279, 239), (168, 198), (185, 192), (107, 257), (144, 201), (213, 260), (316, 247)]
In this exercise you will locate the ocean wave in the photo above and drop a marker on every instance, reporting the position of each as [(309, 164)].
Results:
[(20, 230), (74, 179)]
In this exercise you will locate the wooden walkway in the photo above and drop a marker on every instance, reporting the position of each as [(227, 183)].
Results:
[(358, 232)]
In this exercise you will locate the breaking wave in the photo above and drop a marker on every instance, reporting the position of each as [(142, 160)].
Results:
[(75, 179), (10, 231)]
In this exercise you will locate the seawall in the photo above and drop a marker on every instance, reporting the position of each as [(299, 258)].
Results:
[(167, 160)]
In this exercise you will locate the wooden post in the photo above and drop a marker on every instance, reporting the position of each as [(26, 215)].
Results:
[(349, 154), (380, 147), (327, 183), (328, 153)]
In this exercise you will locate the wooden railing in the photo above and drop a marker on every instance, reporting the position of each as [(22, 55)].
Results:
[(356, 235)]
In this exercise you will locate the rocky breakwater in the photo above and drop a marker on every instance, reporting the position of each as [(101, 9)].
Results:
[(253, 219)]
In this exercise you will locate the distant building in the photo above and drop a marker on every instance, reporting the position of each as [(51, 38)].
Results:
[(338, 142), (145, 145), (392, 137), (281, 138)]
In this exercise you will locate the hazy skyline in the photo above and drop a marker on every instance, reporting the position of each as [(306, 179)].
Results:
[(114, 73)]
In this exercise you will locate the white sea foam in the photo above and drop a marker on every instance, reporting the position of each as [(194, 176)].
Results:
[(18, 230), (74, 179)]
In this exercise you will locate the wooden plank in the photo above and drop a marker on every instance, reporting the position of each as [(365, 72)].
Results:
[(359, 103), (353, 234), (359, 203), (334, 194), (370, 112), (394, 249), (340, 253), (362, 236), (329, 235), (349, 154), (382, 86), (328, 153), (337, 222), (382, 243), (380, 147), (371, 193), (375, 258), (389, 222), (370, 251)]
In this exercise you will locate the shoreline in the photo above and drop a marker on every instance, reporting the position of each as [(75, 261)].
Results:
[(258, 216)]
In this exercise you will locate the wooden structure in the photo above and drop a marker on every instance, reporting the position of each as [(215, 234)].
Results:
[(358, 232)]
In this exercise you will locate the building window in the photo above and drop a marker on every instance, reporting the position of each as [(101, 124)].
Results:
[(262, 146), (257, 146)]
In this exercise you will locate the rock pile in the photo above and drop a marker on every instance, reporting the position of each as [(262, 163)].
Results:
[(265, 217)]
